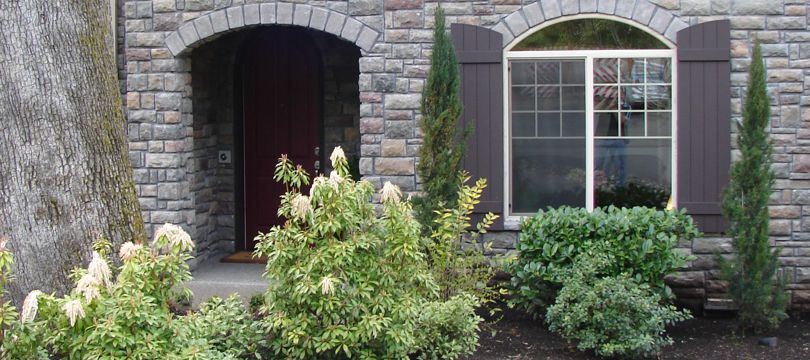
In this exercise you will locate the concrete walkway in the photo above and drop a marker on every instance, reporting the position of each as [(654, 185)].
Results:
[(215, 278)]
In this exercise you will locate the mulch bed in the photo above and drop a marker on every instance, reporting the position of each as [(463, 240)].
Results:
[(709, 337)]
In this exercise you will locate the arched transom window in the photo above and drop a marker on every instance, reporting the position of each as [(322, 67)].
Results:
[(591, 117)]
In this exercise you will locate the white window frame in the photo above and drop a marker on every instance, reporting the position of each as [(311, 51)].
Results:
[(511, 220)]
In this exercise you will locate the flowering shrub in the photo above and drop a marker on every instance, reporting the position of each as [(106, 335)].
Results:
[(344, 282), (19, 339), (125, 316)]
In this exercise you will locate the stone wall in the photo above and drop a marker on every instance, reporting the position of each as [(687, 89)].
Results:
[(213, 182), (395, 41), (341, 104)]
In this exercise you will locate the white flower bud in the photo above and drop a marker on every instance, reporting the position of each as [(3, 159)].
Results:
[(99, 269), (337, 154), (88, 286), (301, 206), (74, 310), (128, 250), (30, 306), (176, 236), (319, 181), (327, 288), (390, 192)]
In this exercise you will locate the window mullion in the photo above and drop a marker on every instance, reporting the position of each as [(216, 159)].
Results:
[(589, 133)]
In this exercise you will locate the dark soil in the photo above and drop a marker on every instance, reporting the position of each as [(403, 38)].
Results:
[(710, 337)]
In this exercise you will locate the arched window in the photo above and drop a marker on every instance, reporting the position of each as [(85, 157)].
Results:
[(589, 34), (591, 117)]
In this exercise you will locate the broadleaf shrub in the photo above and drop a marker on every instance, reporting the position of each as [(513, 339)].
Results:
[(226, 327), (128, 315), (615, 315), (456, 256), (446, 330), (345, 282), (637, 241), (18, 339)]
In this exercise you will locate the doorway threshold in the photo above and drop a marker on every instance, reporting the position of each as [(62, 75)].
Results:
[(243, 257)]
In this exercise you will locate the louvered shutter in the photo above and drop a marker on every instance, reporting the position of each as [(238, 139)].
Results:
[(480, 57), (704, 121)]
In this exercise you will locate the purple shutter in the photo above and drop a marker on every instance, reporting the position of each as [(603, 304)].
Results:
[(480, 55), (704, 121)]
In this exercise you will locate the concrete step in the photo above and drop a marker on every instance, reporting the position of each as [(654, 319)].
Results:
[(215, 278)]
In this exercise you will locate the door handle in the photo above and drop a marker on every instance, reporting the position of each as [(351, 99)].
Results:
[(317, 151), (317, 165)]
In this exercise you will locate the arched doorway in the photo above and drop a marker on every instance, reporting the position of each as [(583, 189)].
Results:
[(257, 94)]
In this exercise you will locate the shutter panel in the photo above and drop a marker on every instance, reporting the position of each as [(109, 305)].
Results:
[(704, 121), (480, 57)]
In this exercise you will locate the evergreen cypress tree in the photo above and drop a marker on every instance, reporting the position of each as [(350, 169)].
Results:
[(752, 274), (442, 148)]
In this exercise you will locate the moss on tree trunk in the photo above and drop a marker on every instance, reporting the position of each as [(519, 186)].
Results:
[(65, 175)]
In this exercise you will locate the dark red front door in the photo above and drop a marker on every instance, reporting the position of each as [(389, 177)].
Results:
[(282, 101)]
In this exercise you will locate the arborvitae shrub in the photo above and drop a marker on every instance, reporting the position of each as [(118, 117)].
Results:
[(442, 150), (752, 273)]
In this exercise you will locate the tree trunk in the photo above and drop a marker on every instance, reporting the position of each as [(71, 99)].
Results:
[(65, 176)]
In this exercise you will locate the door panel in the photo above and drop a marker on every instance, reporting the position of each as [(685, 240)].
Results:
[(282, 96)]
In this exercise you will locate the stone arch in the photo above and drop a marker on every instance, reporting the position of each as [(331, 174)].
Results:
[(642, 13), (216, 23)]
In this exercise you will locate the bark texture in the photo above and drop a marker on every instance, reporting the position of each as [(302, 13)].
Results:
[(65, 176)]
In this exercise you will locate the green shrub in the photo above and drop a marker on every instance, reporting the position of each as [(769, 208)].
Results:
[(446, 330), (128, 316), (458, 267), (224, 326), (255, 304), (752, 275), (443, 143), (638, 241), (343, 281), (615, 315), (18, 339)]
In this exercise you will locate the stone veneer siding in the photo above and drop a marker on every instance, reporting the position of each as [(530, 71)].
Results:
[(395, 41)]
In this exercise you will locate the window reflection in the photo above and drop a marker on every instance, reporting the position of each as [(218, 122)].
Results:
[(632, 172), (548, 155), (633, 146), (632, 133), (590, 34), (547, 172)]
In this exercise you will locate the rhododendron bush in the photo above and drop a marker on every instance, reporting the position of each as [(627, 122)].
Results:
[(348, 282)]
